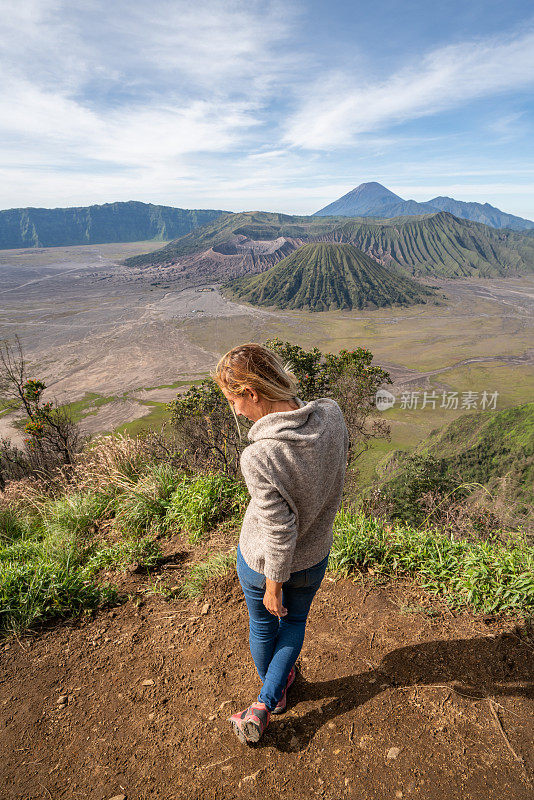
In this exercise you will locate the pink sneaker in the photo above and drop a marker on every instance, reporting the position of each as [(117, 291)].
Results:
[(282, 703), (250, 724)]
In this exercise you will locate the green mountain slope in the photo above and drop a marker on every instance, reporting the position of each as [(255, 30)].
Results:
[(112, 222), (437, 244), (323, 277), (494, 448), (442, 245)]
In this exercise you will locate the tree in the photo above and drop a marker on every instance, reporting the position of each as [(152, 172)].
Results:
[(52, 436), (349, 378), (209, 435)]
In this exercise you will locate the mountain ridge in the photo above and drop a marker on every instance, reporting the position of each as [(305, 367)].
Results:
[(372, 199), (438, 244), (128, 221)]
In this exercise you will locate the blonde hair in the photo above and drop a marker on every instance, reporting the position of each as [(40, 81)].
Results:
[(255, 366)]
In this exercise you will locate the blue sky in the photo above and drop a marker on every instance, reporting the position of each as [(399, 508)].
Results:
[(265, 105)]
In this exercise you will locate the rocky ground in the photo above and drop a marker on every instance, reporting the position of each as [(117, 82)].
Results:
[(396, 697)]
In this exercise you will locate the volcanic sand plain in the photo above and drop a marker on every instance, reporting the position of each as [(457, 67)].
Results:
[(120, 342)]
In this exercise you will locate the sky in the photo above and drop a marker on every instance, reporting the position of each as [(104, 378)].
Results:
[(265, 105)]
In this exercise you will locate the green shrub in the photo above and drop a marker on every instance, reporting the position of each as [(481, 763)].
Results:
[(488, 576), (143, 506), (419, 474), (200, 503)]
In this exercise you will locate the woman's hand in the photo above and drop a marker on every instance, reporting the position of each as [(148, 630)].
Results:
[(272, 599)]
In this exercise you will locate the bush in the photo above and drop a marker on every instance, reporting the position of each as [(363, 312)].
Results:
[(143, 505), (420, 475), (201, 503), (350, 379), (488, 576), (210, 437)]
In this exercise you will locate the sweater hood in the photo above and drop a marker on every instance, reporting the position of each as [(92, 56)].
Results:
[(302, 425)]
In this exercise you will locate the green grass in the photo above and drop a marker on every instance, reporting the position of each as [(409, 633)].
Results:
[(514, 383), (90, 400), (8, 407), (485, 576), (144, 551), (217, 565), (174, 385), (144, 505), (13, 525), (200, 503), (44, 572), (49, 565), (154, 419), (52, 551)]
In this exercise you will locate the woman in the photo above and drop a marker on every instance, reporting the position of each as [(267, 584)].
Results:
[(294, 468)]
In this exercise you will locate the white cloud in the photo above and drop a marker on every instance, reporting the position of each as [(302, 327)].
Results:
[(508, 127), (133, 86), (267, 155), (334, 113), (187, 104)]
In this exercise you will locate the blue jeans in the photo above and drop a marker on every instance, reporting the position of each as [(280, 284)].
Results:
[(276, 643)]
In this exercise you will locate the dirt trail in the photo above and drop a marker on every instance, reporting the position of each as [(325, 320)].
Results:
[(389, 703)]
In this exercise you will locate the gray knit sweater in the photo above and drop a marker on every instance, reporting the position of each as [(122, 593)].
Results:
[(294, 469)]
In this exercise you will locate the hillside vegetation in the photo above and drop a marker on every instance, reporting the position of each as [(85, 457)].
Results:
[(437, 244), (323, 277), (72, 522), (254, 225), (492, 448), (59, 554), (442, 245), (111, 222)]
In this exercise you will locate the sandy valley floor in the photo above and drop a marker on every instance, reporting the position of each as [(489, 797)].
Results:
[(91, 325)]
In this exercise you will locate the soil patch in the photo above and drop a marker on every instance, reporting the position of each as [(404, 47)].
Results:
[(389, 702)]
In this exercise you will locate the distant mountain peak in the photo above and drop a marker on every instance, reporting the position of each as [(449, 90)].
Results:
[(374, 187), (371, 191), (371, 199)]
